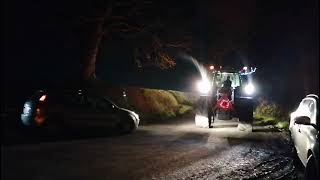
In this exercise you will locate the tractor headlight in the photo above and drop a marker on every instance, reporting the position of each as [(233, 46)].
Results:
[(204, 86), (249, 89)]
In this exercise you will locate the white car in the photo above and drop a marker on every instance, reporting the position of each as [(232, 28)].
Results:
[(304, 130)]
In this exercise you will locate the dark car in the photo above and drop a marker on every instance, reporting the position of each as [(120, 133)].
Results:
[(304, 130), (56, 111)]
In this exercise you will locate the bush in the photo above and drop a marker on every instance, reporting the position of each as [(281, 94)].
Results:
[(282, 125), (152, 103), (268, 109), (182, 98), (269, 112), (183, 109), (160, 101)]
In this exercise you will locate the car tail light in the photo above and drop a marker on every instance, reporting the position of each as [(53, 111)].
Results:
[(43, 97)]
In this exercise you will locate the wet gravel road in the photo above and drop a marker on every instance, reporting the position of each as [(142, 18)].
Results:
[(158, 151)]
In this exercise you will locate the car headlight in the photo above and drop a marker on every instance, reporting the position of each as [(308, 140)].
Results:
[(134, 115), (249, 89), (204, 86)]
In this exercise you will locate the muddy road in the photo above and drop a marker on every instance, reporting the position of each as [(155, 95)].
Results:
[(157, 151)]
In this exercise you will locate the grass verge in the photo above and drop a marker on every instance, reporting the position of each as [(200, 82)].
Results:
[(152, 104), (270, 113)]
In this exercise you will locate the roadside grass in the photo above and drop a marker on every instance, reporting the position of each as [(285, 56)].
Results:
[(270, 113), (160, 103), (181, 98), (152, 104), (184, 109)]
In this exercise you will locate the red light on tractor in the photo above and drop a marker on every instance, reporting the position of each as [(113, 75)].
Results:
[(225, 104), (43, 97)]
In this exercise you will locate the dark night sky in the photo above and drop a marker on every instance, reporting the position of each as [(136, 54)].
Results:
[(279, 37)]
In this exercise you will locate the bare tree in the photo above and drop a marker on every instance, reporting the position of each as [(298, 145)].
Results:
[(130, 19)]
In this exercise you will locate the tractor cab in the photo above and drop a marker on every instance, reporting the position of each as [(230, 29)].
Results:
[(226, 93)]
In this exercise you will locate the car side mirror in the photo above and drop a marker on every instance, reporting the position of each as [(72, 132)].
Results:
[(304, 120)]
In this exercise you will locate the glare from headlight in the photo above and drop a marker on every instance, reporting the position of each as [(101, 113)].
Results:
[(204, 86), (249, 89)]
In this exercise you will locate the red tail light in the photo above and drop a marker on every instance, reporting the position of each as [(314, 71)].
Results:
[(43, 97)]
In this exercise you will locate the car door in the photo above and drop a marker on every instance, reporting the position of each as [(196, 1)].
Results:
[(295, 127), (106, 113), (77, 111), (305, 131)]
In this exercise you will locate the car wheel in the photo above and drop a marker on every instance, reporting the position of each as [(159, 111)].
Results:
[(311, 171), (296, 160), (126, 126)]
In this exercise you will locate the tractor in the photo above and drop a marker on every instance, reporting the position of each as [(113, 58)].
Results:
[(225, 94)]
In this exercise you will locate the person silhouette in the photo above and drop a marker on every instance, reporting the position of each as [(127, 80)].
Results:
[(227, 83)]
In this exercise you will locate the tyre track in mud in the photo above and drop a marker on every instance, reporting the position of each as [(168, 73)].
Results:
[(244, 159)]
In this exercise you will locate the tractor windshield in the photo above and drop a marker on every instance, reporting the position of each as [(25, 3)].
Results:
[(220, 77)]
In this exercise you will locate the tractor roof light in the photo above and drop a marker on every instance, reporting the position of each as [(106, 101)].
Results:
[(246, 71)]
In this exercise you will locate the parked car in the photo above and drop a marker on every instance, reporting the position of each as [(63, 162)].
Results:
[(56, 111), (304, 130)]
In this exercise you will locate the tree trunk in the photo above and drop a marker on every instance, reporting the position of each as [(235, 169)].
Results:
[(91, 49)]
